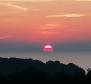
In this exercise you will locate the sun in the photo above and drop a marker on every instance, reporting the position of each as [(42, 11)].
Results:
[(48, 48)]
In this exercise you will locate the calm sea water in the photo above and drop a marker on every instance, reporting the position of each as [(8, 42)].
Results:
[(83, 59)]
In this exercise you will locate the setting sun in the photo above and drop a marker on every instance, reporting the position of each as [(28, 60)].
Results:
[(48, 48)]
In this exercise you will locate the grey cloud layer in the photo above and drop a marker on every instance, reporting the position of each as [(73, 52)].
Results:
[(22, 47)]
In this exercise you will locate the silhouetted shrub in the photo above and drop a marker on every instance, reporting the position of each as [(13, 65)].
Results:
[(28, 71)]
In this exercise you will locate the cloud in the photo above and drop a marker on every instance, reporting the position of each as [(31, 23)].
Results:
[(30, 0), (83, 0), (17, 7), (14, 6), (40, 0), (5, 37), (52, 25), (72, 30), (48, 32), (66, 15), (8, 20)]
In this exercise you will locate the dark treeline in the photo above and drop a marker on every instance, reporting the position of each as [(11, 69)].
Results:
[(28, 71)]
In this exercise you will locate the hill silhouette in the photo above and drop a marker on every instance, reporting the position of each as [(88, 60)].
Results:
[(29, 71)]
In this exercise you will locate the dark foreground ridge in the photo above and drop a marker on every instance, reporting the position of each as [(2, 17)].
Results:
[(28, 71)]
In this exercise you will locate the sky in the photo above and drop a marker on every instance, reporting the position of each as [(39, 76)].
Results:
[(36, 23)]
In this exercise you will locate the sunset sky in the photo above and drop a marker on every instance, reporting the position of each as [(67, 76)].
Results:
[(45, 21)]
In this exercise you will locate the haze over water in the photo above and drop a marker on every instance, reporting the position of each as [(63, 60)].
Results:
[(82, 59)]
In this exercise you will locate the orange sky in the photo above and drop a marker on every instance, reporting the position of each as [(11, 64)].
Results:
[(45, 21)]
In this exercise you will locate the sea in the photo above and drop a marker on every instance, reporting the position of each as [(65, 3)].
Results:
[(82, 59)]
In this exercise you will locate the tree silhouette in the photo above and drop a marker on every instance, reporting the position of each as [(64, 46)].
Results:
[(28, 71)]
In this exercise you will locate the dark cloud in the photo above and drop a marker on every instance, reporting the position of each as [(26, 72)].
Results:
[(75, 46), (24, 47), (18, 47)]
